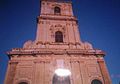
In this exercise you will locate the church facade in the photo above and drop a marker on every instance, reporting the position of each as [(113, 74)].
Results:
[(57, 47)]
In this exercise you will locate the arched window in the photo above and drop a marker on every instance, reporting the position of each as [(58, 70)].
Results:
[(61, 80), (58, 36), (23, 83), (96, 82), (57, 10)]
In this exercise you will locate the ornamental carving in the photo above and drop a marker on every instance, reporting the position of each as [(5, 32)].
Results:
[(57, 27)]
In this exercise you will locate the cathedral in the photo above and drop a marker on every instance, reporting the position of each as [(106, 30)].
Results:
[(57, 55)]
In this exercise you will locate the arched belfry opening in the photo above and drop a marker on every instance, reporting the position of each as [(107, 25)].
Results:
[(57, 10), (95, 81), (61, 80), (58, 37)]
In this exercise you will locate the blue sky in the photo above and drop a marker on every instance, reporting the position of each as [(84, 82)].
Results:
[(99, 24)]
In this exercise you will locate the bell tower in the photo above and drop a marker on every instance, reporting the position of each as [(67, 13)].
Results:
[(57, 56), (57, 20)]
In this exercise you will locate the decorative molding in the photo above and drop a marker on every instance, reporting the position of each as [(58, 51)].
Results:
[(64, 18), (38, 51)]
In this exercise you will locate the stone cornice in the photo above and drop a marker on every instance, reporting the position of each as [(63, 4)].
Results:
[(59, 1), (51, 17), (38, 51)]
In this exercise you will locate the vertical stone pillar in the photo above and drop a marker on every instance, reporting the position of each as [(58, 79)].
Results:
[(83, 73), (10, 73), (47, 73), (39, 73), (76, 72), (104, 72), (39, 34), (76, 32), (71, 33)]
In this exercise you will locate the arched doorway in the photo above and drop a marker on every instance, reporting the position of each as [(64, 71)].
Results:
[(95, 81), (23, 83), (61, 80)]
